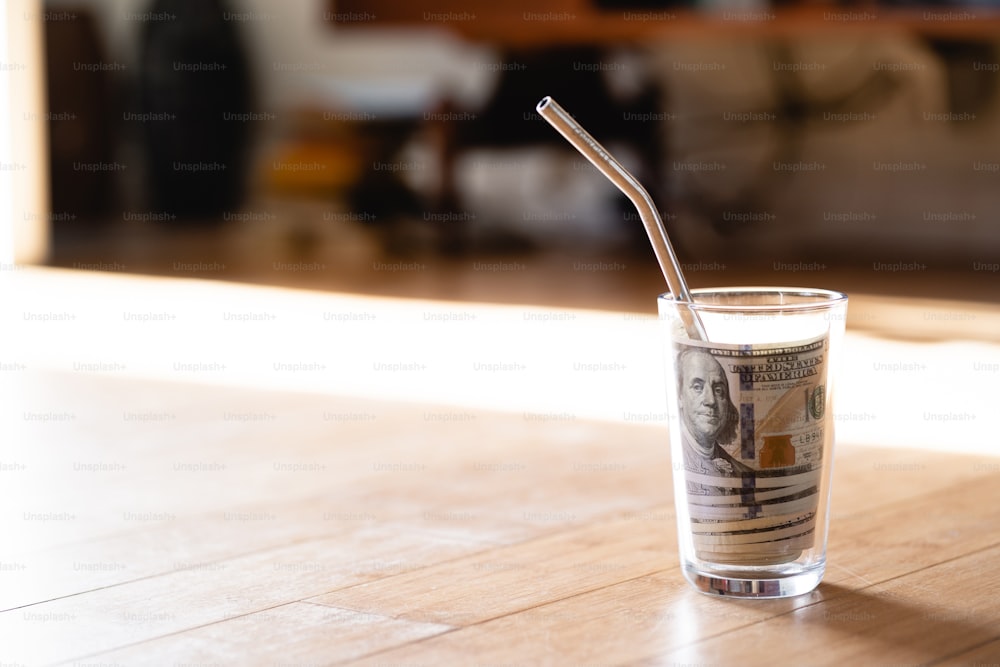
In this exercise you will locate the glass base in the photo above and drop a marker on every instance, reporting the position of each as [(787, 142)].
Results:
[(760, 585)]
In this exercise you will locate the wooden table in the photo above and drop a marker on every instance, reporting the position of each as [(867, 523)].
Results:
[(166, 513)]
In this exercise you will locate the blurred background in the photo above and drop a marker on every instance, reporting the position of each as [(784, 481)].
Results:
[(388, 147)]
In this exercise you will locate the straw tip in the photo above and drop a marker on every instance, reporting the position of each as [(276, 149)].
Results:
[(543, 103)]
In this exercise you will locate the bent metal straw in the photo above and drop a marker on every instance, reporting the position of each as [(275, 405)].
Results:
[(574, 133)]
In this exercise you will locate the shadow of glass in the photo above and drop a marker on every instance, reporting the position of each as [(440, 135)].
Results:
[(900, 620)]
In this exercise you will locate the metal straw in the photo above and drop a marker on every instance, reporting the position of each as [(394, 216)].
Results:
[(574, 133)]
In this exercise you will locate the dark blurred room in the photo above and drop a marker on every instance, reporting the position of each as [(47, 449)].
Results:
[(327, 145)]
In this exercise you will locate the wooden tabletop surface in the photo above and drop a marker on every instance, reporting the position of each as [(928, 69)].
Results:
[(177, 518)]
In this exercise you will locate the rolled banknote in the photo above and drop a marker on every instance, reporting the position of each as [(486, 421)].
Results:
[(752, 436)]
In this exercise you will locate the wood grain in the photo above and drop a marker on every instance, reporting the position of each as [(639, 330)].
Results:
[(543, 544), (235, 526), (297, 633)]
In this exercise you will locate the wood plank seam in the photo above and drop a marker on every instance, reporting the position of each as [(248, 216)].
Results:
[(91, 656), (477, 623), (844, 594), (965, 651)]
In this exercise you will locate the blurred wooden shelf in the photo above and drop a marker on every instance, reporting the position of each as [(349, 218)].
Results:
[(579, 22)]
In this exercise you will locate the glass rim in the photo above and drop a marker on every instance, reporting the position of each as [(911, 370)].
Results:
[(816, 299)]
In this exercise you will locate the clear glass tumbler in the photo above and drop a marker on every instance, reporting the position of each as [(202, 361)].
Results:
[(751, 434)]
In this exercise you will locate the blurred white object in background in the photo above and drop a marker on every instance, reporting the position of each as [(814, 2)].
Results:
[(24, 183)]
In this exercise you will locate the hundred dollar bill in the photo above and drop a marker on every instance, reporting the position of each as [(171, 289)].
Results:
[(751, 420), (755, 537), (758, 496), (751, 525), (752, 510)]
